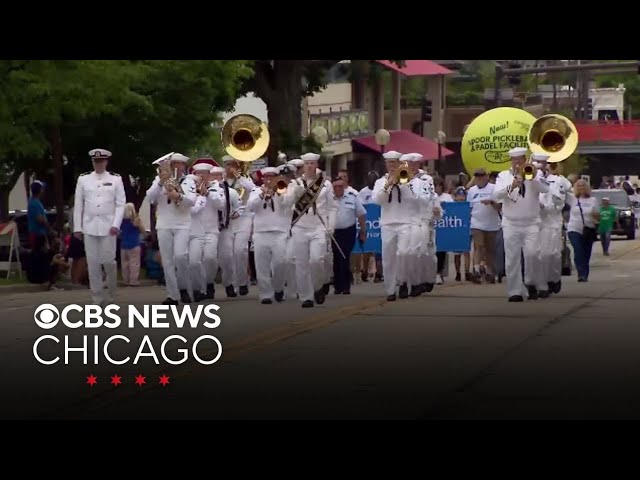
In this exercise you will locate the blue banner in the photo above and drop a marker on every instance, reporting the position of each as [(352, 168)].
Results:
[(373, 244), (453, 230)]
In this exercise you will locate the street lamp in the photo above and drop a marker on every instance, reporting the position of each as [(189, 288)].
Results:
[(382, 137), (442, 138)]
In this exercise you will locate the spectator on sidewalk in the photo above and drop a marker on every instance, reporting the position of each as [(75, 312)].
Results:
[(607, 219), (130, 255), (36, 215)]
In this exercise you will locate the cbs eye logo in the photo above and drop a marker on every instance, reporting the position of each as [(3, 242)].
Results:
[(46, 316)]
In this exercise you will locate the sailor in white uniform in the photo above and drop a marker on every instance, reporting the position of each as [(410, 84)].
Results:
[(271, 223), (240, 226), (97, 215), (173, 225), (296, 167), (520, 200)]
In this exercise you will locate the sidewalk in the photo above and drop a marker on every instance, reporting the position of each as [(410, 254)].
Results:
[(66, 285)]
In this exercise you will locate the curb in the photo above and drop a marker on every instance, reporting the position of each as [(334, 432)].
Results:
[(35, 288)]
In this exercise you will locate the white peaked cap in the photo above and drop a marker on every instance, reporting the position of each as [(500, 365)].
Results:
[(296, 162), (163, 158), (540, 157), (178, 157), (217, 170), (269, 170), (310, 157), (392, 155), (517, 152), (417, 157), (201, 167), (99, 153)]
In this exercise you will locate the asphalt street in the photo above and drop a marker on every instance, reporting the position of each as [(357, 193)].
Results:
[(459, 352)]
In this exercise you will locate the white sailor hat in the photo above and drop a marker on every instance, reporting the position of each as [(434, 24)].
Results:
[(310, 157), (269, 171), (392, 155), (296, 162), (517, 152), (98, 153), (163, 158), (406, 157), (540, 157), (178, 157), (284, 169), (417, 157), (228, 158), (202, 167), (217, 170)]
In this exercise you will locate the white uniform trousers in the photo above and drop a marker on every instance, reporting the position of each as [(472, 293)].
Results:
[(203, 260), (518, 240), (551, 250), (101, 252), (430, 259), (290, 269), (396, 240), (269, 249), (225, 257), (309, 248), (241, 257), (416, 262), (174, 251)]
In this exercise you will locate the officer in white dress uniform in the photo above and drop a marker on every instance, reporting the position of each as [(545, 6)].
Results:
[(309, 235), (173, 225), (551, 206), (230, 210), (271, 223), (396, 204), (521, 226), (203, 242), (240, 226), (97, 215)]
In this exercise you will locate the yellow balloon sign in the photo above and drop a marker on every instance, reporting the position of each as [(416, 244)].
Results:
[(491, 135)]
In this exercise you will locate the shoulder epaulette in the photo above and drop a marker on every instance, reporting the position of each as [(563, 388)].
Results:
[(114, 174)]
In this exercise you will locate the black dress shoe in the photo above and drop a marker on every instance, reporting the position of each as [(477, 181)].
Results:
[(403, 292), (230, 291), (170, 301), (391, 298), (211, 291), (428, 287), (415, 291), (307, 304), (319, 296), (516, 298), (266, 301), (337, 292), (198, 297), (244, 290), (347, 292), (184, 296), (326, 288), (279, 296), (533, 292), (558, 286), (582, 279), (364, 276), (543, 294)]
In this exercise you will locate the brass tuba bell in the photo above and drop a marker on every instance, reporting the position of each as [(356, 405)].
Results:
[(245, 138), (554, 135)]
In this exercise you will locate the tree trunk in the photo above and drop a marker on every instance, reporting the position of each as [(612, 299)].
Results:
[(55, 142), (4, 204)]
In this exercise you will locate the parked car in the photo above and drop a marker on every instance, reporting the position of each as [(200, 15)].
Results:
[(625, 223)]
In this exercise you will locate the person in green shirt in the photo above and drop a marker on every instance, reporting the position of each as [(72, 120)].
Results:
[(607, 219)]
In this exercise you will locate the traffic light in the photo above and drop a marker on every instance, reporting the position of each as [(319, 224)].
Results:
[(426, 110), (589, 109), (514, 78)]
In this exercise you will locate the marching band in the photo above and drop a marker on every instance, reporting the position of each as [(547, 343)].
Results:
[(207, 217)]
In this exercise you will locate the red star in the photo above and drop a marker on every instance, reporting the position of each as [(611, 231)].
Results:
[(164, 380), (91, 380), (115, 380), (140, 380)]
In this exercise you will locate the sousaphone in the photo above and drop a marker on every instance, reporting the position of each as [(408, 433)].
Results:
[(246, 138), (553, 135)]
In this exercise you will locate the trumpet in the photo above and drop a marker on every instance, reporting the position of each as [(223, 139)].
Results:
[(528, 171), (277, 186), (401, 176)]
